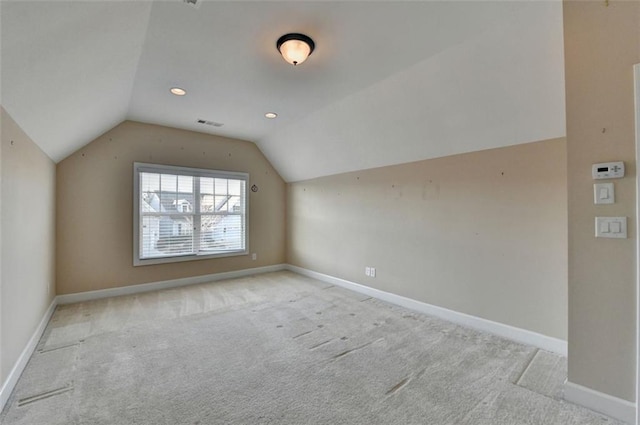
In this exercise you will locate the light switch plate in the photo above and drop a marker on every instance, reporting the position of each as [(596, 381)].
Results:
[(611, 227), (604, 193)]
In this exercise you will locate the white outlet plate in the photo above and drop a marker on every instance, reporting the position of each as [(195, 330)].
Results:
[(254, 256), (367, 271), (373, 272)]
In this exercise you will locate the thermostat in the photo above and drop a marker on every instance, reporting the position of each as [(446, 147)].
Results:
[(608, 170)]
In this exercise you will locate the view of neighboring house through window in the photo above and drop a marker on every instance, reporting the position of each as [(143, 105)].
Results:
[(186, 213)]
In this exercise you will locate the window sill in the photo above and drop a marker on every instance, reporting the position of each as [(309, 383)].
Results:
[(164, 260)]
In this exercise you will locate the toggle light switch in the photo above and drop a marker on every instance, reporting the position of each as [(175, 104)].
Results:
[(615, 227), (603, 193), (611, 227)]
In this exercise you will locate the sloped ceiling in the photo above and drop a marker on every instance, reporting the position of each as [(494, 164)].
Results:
[(389, 82), (68, 68)]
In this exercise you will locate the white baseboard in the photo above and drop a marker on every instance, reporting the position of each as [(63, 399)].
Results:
[(614, 407), (617, 408), (165, 284), (11, 381), (524, 336)]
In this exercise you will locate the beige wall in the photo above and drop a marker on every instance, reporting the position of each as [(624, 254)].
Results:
[(28, 238), (482, 233), (601, 45), (3, 118), (95, 209)]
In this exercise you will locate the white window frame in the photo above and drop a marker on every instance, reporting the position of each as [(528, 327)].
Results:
[(139, 167)]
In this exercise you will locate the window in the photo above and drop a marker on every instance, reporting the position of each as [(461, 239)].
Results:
[(183, 214)]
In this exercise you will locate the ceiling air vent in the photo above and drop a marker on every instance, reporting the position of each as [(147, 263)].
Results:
[(211, 123), (193, 3)]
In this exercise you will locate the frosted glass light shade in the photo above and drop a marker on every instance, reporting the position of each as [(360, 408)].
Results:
[(295, 52), (295, 48)]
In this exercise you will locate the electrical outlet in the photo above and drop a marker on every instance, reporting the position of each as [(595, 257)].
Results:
[(367, 271), (254, 256), (373, 272)]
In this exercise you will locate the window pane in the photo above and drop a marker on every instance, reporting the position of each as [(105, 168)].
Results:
[(149, 191), (221, 233), (221, 186), (185, 184), (149, 182), (169, 183), (206, 202), (220, 203), (206, 185), (150, 231), (169, 201), (234, 187), (163, 236), (235, 204), (184, 204)]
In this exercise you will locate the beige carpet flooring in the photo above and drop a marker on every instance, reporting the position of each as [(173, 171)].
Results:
[(280, 348)]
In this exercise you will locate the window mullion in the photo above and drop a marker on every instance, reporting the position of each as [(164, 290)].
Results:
[(196, 215)]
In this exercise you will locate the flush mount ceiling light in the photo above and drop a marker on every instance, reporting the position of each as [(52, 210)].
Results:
[(270, 115), (178, 91), (295, 48)]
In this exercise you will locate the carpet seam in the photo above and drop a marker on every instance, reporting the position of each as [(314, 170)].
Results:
[(524, 371)]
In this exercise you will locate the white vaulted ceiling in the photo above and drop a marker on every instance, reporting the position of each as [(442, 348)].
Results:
[(389, 82)]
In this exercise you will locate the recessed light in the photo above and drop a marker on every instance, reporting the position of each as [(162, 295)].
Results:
[(270, 115), (178, 91)]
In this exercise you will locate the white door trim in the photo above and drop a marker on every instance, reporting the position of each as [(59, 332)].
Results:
[(636, 79)]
